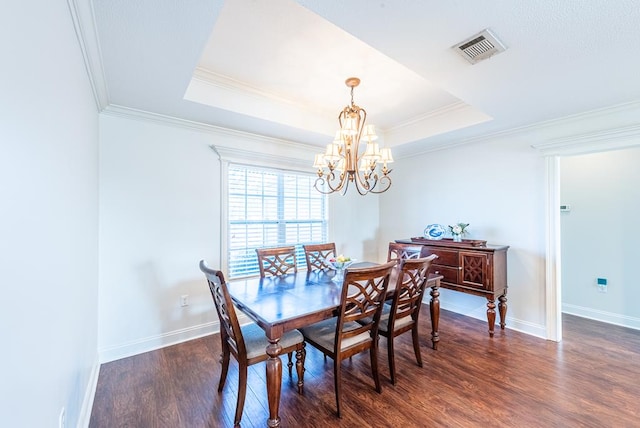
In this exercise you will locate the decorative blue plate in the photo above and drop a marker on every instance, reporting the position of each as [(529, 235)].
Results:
[(434, 231)]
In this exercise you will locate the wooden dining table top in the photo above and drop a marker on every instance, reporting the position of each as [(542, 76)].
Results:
[(281, 303)]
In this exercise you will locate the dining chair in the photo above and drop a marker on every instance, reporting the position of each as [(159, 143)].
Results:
[(246, 343), (316, 255), (277, 261), (355, 329), (398, 251), (401, 315)]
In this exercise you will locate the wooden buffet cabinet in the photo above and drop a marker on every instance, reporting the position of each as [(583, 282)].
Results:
[(472, 267)]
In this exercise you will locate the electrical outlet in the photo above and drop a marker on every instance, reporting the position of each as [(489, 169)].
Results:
[(62, 419), (184, 300), (602, 285)]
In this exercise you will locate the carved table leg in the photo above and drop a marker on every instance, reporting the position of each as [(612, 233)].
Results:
[(502, 308), (274, 381), (491, 314), (434, 309), (300, 357)]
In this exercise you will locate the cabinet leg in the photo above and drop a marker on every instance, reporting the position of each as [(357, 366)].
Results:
[(434, 308), (491, 314), (502, 308)]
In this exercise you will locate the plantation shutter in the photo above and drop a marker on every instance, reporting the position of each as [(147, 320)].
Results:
[(271, 208)]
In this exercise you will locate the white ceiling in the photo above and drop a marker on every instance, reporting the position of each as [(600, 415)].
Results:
[(277, 67)]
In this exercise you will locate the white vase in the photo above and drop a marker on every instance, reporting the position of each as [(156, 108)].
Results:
[(457, 237)]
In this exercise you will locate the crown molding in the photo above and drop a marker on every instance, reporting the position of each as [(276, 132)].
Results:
[(549, 129), (211, 78), (85, 28), (551, 124), (609, 139), (449, 118), (216, 90), (225, 82), (256, 149), (456, 107)]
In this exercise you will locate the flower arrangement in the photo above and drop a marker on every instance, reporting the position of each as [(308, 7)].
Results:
[(458, 229)]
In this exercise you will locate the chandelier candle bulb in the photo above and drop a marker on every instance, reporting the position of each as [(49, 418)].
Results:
[(341, 163)]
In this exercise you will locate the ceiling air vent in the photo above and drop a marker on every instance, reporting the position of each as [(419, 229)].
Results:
[(481, 46)]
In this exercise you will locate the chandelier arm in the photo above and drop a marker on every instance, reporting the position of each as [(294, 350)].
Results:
[(361, 191), (340, 181), (362, 113), (363, 182), (326, 180), (383, 179), (345, 187), (361, 188), (353, 177)]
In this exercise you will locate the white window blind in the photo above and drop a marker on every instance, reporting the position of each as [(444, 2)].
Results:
[(271, 208)]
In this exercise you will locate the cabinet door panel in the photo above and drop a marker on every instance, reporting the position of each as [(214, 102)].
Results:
[(474, 269)]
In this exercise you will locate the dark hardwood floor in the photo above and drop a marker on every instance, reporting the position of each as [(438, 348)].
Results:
[(590, 379)]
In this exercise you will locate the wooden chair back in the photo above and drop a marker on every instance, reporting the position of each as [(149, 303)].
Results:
[(277, 261), (363, 293), (316, 255), (230, 331), (399, 251), (409, 290)]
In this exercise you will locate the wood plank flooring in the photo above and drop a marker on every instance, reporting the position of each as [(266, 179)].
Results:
[(590, 379)]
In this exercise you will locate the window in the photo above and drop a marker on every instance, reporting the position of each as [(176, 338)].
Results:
[(271, 208)]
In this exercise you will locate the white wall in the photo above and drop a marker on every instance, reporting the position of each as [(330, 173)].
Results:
[(353, 225), (498, 188), (600, 235), (159, 215), (48, 219)]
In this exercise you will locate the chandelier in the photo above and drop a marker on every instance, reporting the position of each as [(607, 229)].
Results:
[(342, 163)]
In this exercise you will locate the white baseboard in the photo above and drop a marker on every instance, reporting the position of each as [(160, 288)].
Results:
[(156, 342), (603, 316), (89, 395), (480, 313)]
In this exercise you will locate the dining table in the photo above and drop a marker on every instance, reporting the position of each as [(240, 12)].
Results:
[(282, 303)]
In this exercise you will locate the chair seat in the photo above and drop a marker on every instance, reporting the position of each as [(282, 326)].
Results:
[(383, 326), (323, 334), (256, 342)]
